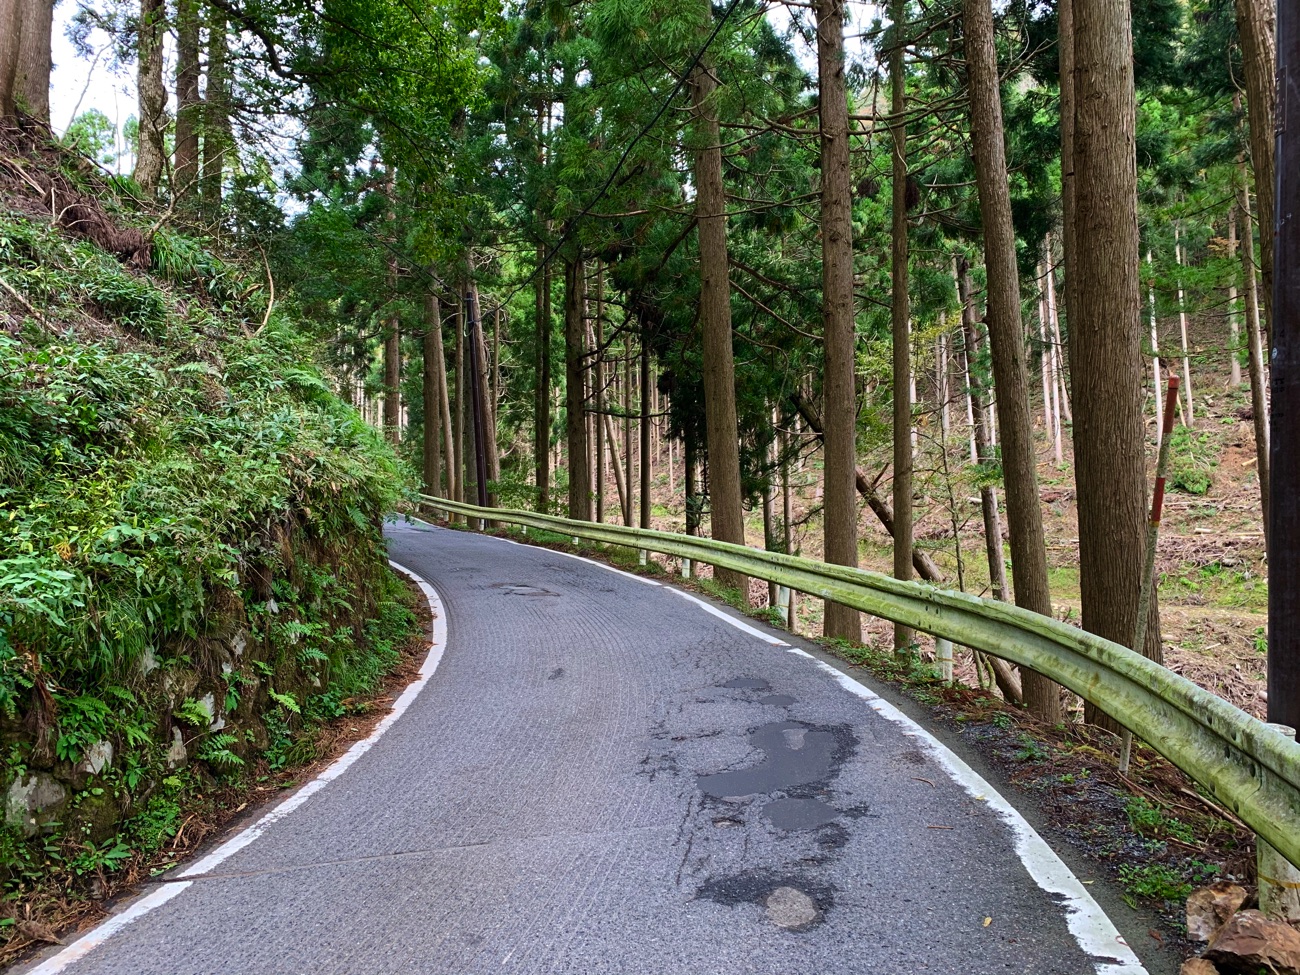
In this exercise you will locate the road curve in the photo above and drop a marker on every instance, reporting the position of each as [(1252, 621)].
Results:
[(603, 777)]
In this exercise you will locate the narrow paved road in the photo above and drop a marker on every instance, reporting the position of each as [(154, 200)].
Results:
[(603, 777)]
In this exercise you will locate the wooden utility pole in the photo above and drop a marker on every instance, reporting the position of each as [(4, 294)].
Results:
[(900, 314), (1284, 512)]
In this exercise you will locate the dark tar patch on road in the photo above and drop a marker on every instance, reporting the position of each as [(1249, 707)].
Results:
[(513, 590), (796, 755), (773, 890), (792, 814), (747, 684)]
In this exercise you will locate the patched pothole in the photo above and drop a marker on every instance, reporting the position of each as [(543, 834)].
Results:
[(791, 908), (517, 590)]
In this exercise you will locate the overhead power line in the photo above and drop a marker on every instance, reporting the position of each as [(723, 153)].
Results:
[(682, 79)]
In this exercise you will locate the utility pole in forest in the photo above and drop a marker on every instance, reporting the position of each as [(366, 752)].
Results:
[(1284, 512), (900, 314)]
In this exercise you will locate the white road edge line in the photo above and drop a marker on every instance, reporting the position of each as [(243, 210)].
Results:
[(1092, 929), (161, 895), (568, 555), (1095, 933), (738, 624)]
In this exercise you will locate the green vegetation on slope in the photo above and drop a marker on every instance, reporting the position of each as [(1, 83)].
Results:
[(135, 475), (192, 572)]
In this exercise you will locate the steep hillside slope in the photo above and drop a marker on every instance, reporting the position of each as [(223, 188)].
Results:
[(191, 564)]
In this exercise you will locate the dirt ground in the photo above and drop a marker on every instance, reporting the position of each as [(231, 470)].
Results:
[(1212, 574)]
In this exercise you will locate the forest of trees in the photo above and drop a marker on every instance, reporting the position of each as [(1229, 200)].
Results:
[(584, 256)]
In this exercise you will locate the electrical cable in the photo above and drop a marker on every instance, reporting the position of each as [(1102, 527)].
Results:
[(572, 223)]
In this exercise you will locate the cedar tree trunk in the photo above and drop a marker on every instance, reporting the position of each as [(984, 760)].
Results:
[(901, 313), (575, 426), (185, 165), (722, 437), (1106, 329), (431, 349), (34, 59), (1006, 340), (1257, 33), (838, 393), (152, 95)]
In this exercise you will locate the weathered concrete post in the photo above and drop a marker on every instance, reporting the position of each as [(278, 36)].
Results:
[(943, 656), (783, 604), (1279, 879)]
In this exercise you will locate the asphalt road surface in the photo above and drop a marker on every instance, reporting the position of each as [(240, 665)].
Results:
[(604, 776)]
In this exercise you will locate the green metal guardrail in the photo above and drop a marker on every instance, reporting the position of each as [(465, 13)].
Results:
[(1246, 765)]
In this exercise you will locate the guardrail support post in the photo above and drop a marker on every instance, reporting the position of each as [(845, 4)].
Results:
[(783, 604), (943, 655), (686, 568), (642, 556), (1279, 879), (575, 539), (1279, 883), (524, 530)]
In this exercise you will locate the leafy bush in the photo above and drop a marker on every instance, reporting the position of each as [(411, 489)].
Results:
[(1191, 461), (143, 459)]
